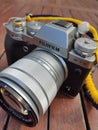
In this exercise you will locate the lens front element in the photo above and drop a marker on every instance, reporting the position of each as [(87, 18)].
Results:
[(13, 102)]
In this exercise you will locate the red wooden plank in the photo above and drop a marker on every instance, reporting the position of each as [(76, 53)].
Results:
[(3, 62), (3, 118), (66, 114)]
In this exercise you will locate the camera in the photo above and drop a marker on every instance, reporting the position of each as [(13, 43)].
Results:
[(42, 58)]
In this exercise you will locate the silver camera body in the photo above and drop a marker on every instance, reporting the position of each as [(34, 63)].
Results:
[(58, 57)]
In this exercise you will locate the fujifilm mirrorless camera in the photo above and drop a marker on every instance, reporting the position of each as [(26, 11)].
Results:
[(45, 57)]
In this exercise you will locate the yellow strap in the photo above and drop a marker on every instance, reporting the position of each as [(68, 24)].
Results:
[(28, 18), (90, 86)]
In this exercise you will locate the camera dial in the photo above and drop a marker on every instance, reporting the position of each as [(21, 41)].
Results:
[(33, 27), (85, 47), (19, 24)]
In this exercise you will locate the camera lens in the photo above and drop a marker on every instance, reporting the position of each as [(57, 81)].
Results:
[(28, 86)]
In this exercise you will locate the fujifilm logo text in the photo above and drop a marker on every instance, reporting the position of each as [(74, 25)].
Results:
[(46, 44)]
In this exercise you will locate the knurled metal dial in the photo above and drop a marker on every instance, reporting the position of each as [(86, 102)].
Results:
[(85, 47), (33, 27)]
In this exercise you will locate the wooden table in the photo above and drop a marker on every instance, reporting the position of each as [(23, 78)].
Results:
[(64, 113)]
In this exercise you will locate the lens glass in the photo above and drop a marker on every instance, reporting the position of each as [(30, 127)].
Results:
[(13, 102)]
